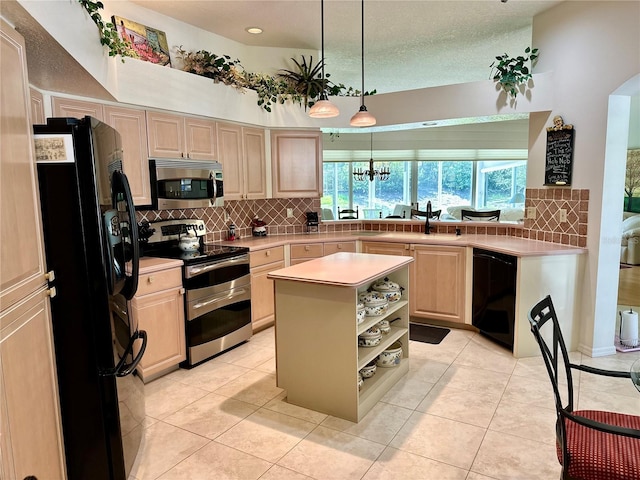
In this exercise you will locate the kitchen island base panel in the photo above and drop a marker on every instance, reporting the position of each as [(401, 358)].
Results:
[(317, 352), (314, 347)]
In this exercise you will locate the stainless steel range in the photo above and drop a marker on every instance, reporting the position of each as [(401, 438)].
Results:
[(217, 283)]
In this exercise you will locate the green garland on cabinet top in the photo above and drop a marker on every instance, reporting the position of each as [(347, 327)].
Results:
[(302, 85)]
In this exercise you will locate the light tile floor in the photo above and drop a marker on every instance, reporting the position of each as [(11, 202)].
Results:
[(466, 410)]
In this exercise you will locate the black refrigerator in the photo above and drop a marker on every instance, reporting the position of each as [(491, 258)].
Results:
[(91, 244)]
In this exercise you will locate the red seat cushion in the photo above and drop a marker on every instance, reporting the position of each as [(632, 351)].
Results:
[(596, 455)]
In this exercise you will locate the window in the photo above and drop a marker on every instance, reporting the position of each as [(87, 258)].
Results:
[(479, 178)]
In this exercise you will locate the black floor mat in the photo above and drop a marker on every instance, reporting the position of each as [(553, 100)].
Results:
[(427, 333)]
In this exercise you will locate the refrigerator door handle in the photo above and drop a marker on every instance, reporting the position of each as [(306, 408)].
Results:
[(122, 369), (120, 185)]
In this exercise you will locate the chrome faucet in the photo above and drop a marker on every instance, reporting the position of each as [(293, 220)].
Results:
[(427, 227)]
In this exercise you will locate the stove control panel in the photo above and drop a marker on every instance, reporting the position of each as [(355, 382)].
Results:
[(166, 230)]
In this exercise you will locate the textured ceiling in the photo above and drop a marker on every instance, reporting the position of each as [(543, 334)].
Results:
[(408, 44)]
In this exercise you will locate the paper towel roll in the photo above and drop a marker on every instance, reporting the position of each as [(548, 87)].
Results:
[(629, 329)]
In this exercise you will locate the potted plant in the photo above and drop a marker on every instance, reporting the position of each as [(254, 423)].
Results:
[(512, 72)]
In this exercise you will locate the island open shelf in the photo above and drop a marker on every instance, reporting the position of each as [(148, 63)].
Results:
[(317, 352)]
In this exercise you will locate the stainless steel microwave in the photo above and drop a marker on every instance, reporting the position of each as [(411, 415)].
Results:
[(185, 184)]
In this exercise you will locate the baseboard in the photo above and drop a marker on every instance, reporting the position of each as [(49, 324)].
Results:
[(597, 352)]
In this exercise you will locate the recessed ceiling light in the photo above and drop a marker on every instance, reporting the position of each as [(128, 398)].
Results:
[(254, 30)]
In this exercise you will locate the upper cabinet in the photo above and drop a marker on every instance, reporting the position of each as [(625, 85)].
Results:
[(242, 155), (37, 107), (67, 107), (132, 126), (296, 163), (176, 136)]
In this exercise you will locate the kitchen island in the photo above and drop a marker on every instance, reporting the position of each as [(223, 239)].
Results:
[(317, 352)]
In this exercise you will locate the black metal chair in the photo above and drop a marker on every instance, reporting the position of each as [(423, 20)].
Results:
[(348, 214), (489, 215), (591, 444), (435, 214)]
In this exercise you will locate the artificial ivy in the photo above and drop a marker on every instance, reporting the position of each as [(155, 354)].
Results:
[(302, 85), (108, 31)]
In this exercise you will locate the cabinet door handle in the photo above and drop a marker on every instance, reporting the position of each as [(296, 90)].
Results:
[(50, 276), (268, 253), (306, 248), (149, 280), (339, 246), (52, 292)]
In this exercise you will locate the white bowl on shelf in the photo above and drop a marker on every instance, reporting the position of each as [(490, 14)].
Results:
[(370, 337), (368, 370), (391, 357), (384, 326), (391, 290), (376, 310), (360, 313)]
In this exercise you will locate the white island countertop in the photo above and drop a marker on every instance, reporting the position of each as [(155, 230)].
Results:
[(342, 269)]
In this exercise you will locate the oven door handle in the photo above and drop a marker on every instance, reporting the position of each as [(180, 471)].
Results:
[(218, 298), (192, 271)]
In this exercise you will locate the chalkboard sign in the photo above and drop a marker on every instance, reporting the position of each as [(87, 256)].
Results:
[(559, 160)]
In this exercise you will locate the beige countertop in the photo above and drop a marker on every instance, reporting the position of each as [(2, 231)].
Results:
[(342, 269), (521, 247), (154, 264)]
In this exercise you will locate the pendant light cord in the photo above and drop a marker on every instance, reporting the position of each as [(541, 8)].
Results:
[(362, 46), (324, 81)]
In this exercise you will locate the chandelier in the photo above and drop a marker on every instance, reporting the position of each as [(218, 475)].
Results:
[(371, 173)]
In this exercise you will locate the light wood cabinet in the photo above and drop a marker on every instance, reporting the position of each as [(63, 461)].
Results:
[(438, 278), (317, 352), (176, 136), (438, 282), (386, 248), (242, 155), (132, 126), (296, 163), (30, 435), (158, 308), (303, 252), (68, 107), (37, 107), (262, 262), (335, 247)]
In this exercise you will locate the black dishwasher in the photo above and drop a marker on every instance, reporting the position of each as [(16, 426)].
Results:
[(494, 295)]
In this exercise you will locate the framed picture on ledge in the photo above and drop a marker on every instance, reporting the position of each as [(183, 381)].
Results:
[(148, 43)]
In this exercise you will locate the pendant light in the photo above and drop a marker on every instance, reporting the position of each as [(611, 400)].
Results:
[(323, 108), (362, 118)]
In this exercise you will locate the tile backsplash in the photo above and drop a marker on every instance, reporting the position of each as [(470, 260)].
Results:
[(546, 226), (241, 213)]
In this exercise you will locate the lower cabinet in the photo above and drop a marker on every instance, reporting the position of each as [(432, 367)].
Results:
[(302, 252), (262, 262), (438, 282), (31, 440), (158, 308), (438, 278), (386, 248)]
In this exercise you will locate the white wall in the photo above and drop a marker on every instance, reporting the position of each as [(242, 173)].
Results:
[(592, 48)]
